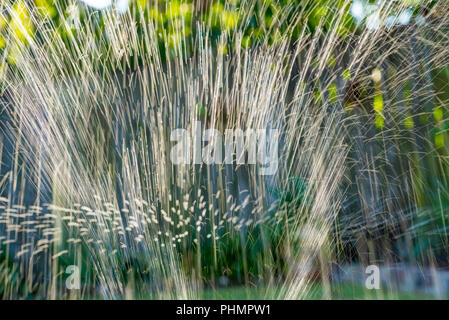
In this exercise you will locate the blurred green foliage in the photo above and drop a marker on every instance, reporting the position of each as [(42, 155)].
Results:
[(177, 24), (175, 21)]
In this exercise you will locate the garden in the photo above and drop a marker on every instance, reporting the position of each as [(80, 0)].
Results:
[(210, 149)]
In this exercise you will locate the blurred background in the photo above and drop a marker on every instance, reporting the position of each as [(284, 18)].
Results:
[(379, 69)]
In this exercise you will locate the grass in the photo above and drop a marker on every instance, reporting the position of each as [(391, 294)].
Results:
[(316, 292), (361, 170)]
